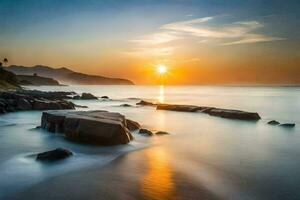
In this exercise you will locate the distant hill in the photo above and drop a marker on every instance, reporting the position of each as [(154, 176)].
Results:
[(67, 76), (36, 80), (8, 80)]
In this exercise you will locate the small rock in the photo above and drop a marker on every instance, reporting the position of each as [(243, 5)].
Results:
[(145, 132), (104, 97), (145, 103), (88, 96), (132, 125), (161, 133), (288, 125), (80, 106), (76, 97), (273, 122), (53, 155), (125, 105)]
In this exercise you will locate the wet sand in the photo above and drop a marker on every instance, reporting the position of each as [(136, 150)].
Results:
[(145, 174)]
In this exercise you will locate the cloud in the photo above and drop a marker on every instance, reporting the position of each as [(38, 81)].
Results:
[(235, 33), (157, 38), (241, 31), (164, 51), (254, 38)]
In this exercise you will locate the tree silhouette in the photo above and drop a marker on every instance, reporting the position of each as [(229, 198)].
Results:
[(5, 60)]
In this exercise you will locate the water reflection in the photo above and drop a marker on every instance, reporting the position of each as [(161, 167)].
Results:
[(161, 97), (158, 181)]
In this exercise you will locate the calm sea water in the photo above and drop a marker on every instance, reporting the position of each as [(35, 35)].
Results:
[(232, 159)]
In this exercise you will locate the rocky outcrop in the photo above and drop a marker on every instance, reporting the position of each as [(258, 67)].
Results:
[(37, 94), (56, 154), (91, 127), (233, 114), (219, 112), (181, 108), (32, 100), (85, 96)]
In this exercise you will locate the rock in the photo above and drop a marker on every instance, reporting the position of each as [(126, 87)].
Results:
[(53, 155), (80, 106), (76, 97), (181, 108), (161, 133), (104, 97), (273, 122), (91, 127), (145, 103), (52, 105), (36, 94), (125, 105), (88, 96), (23, 104), (234, 114), (132, 125), (288, 125), (145, 132)]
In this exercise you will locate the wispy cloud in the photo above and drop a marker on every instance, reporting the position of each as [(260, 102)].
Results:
[(254, 38), (157, 38), (164, 51), (241, 31)]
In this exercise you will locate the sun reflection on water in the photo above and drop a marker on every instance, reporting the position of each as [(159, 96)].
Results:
[(161, 97), (158, 182)]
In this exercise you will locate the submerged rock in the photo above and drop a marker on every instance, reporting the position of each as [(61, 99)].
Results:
[(273, 122), (145, 103), (125, 105), (145, 132), (181, 108), (53, 155), (219, 112), (161, 133), (91, 127), (288, 125), (233, 114)]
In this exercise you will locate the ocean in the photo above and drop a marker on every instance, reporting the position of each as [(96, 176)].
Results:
[(227, 159)]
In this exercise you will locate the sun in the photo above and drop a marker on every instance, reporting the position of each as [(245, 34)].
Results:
[(161, 69)]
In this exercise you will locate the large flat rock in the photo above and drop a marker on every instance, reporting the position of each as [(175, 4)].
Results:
[(233, 114), (219, 112), (92, 127)]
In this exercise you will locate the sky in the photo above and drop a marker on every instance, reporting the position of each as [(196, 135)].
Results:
[(199, 41)]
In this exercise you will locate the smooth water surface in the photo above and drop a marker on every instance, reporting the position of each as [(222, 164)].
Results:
[(232, 159)]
